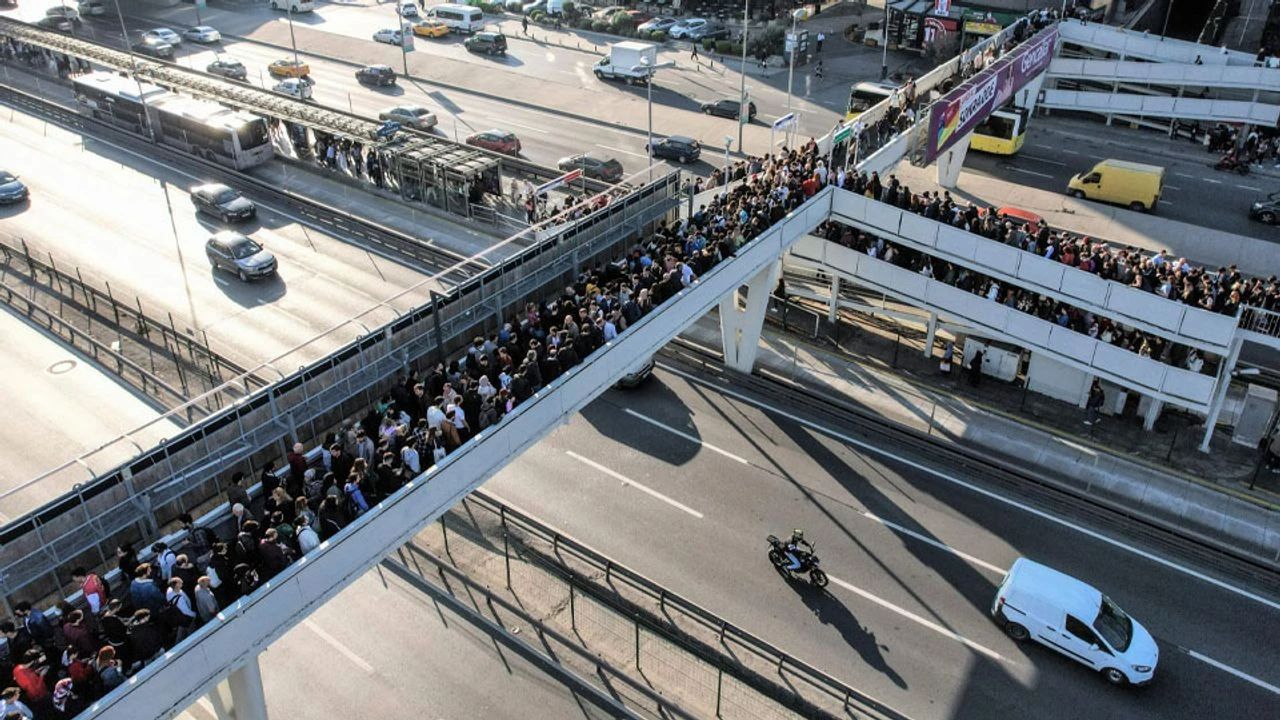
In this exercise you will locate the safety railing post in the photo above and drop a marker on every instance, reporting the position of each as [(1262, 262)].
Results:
[(636, 620), (573, 607), (719, 688), (506, 555)]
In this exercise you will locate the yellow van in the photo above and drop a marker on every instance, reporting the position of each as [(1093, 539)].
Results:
[(1121, 182)]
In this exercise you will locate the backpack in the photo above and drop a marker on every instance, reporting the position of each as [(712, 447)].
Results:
[(172, 616)]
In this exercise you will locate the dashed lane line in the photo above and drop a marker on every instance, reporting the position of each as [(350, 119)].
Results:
[(632, 483), (686, 436)]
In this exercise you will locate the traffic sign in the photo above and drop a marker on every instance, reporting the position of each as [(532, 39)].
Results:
[(785, 121), (562, 180), (842, 134), (388, 128)]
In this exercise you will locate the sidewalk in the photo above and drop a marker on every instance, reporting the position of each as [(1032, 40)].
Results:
[(879, 367)]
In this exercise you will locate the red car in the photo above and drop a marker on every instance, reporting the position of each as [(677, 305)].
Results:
[(499, 141)]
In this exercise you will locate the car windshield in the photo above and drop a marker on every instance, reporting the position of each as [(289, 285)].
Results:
[(6, 178), (225, 196), (245, 249), (1113, 625)]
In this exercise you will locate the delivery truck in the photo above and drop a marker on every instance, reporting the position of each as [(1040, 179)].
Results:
[(630, 61)]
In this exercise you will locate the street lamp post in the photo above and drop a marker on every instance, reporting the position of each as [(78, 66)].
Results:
[(884, 36), (293, 41), (650, 70), (133, 67), (742, 88), (791, 67), (1169, 11)]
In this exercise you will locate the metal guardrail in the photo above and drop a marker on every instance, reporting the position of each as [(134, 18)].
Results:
[(1261, 322), (132, 501), (713, 640)]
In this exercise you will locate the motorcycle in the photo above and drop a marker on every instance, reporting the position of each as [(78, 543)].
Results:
[(808, 562), (1229, 163)]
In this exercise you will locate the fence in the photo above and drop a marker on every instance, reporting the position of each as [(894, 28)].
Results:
[(682, 649), (135, 500)]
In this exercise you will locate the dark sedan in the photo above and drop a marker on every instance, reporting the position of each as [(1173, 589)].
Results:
[(228, 68), (1266, 211), (235, 253), (677, 147), (154, 48), (608, 170), (221, 201), (11, 189), (379, 75), (728, 107)]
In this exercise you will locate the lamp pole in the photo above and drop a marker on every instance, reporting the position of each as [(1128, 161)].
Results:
[(293, 41), (1168, 11), (742, 87), (648, 89), (791, 68), (884, 51), (133, 66)]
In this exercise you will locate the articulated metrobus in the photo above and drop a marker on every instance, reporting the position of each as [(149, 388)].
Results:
[(200, 127), (1002, 133), (865, 95)]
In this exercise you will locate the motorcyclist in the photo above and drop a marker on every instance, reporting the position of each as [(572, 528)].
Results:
[(797, 551)]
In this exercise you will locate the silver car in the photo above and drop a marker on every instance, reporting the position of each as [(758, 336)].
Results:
[(202, 34), (411, 116), (236, 253)]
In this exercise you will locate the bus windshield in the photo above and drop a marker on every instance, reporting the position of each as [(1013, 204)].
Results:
[(998, 126), (862, 99), (252, 134)]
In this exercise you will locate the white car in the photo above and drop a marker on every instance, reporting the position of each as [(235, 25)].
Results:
[(407, 9), (387, 35), (202, 34), (294, 88), (63, 11), (163, 35), (686, 28)]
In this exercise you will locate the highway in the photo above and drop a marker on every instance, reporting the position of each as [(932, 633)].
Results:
[(682, 481), (126, 220)]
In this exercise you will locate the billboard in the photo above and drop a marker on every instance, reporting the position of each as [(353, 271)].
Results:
[(963, 109)]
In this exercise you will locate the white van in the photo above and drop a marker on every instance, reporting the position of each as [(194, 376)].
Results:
[(459, 18), (1037, 602)]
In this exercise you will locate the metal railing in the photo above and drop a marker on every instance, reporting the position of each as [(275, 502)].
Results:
[(1261, 322), (132, 501)]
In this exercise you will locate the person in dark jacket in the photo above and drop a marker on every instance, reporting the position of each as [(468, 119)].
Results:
[(146, 637), (144, 592), (275, 557), (115, 631), (222, 568), (78, 635)]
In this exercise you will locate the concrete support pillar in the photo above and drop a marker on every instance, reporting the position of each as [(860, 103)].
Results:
[(1029, 95), (931, 330), (950, 162), (240, 696), (741, 322), (1153, 414), (833, 306), (1220, 392)]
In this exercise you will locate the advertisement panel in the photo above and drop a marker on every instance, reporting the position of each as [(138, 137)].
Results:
[(964, 108)]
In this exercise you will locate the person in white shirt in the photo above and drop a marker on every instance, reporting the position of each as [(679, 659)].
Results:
[(435, 416), (178, 599)]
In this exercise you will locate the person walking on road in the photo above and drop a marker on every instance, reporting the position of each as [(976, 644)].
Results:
[(524, 24), (817, 71), (1094, 403), (821, 36), (693, 50), (975, 369)]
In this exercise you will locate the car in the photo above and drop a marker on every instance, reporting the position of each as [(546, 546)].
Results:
[(607, 169), (1266, 211), (379, 75), (296, 88), (412, 116), (154, 48), (202, 34), (605, 13), (430, 28), (728, 107), (639, 16), (657, 24), (1038, 603), (711, 31), (490, 43), (228, 68), (239, 254), (499, 141), (677, 147), (63, 11), (407, 8), (636, 375), (95, 8), (165, 35), (1025, 218), (388, 35), (683, 28), (11, 189), (224, 202), (59, 24), (289, 68)]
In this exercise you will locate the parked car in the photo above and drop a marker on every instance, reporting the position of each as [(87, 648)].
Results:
[(55, 23), (712, 30), (228, 68), (605, 13), (379, 75), (387, 35), (728, 107), (289, 68), (682, 28), (412, 116), (639, 16), (63, 11), (677, 147), (202, 34), (154, 48), (430, 28), (163, 34), (489, 43), (93, 8), (296, 88), (407, 8), (1266, 211), (659, 23), (11, 189), (499, 141), (224, 202), (236, 253), (606, 169)]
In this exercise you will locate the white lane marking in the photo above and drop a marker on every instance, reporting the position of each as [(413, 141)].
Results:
[(1245, 187), (1171, 187), (221, 281), (1184, 175), (1211, 180), (1031, 172), (1228, 669), (628, 481), (337, 645), (1166, 202), (1064, 151), (686, 436), (1044, 160), (922, 621), (982, 491), (526, 127), (996, 569), (627, 152)]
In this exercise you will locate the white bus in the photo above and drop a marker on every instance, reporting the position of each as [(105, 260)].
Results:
[(295, 6), (459, 18), (200, 127)]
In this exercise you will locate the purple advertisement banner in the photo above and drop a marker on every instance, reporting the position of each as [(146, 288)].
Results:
[(964, 108)]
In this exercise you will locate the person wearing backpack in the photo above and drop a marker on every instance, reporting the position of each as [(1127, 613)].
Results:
[(178, 613), (95, 590)]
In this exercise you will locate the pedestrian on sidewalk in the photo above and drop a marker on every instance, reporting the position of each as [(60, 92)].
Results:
[(948, 355), (821, 36), (975, 369), (1094, 403), (693, 50), (817, 71), (524, 24)]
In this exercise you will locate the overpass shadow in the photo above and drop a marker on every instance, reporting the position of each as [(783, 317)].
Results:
[(610, 417)]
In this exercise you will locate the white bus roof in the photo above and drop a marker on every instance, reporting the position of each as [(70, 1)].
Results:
[(123, 86)]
